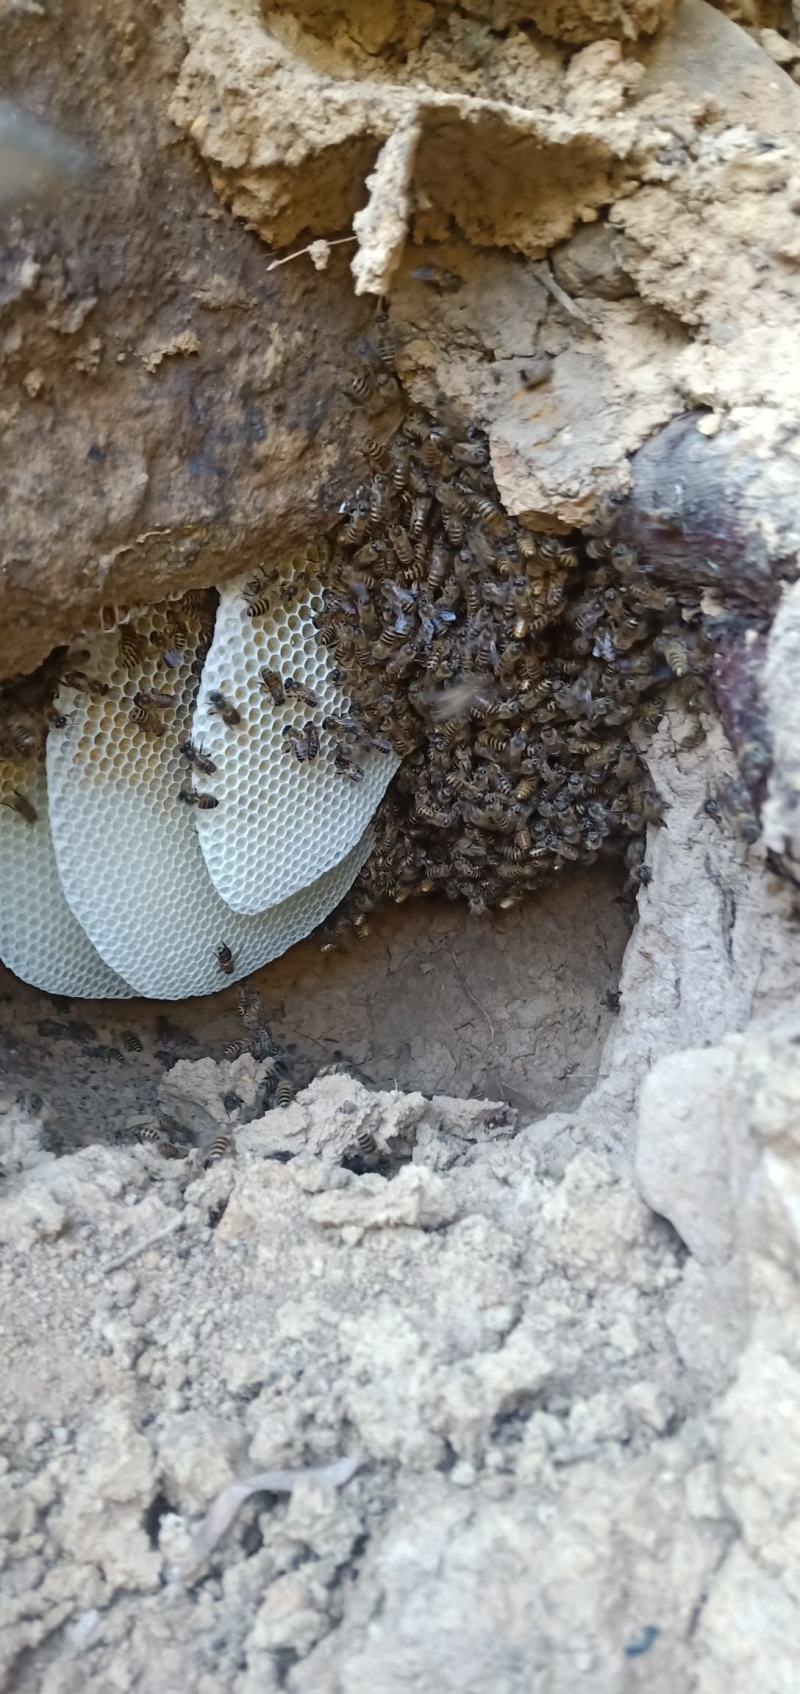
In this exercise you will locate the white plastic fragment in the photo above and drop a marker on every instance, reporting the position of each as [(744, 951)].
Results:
[(281, 822), (41, 940)]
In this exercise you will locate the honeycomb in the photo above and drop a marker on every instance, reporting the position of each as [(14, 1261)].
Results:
[(40, 939), (280, 823), (126, 846)]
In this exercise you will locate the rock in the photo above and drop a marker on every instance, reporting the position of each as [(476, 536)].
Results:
[(189, 415), (684, 1165), (590, 263)]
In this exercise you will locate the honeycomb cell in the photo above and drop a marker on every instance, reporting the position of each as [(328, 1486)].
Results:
[(281, 823), (118, 841), (41, 940), (127, 849)]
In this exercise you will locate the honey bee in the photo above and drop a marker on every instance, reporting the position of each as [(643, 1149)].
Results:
[(453, 498), (401, 661), (415, 427), (625, 632), (490, 514), (131, 1042), (203, 802), (301, 689), (170, 1149), (394, 635), (151, 699), (147, 719), (362, 384), (654, 597), (177, 632), (419, 516), (195, 756), (56, 719), (312, 740), (284, 1094), (21, 805), (384, 346), (220, 1147), (195, 601), (132, 647), (355, 529), (149, 1132), (400, 470), (26, 739), (677, 657), (454, 528), (346, 766), (225, 959), (401, 542), (556, 595), (234, 1049), (84, 684), (367, 555), (272, 684), (431, 451), (439, 566), (495, 739), (258, 605), (378, 501), (470, 452), (296, 741), (343, 724), (224, 709), (486, 654), (373, 450)]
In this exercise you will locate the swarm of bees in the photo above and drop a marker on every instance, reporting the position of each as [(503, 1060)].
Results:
[(505, 667)]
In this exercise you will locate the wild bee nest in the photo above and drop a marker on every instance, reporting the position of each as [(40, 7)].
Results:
[(189, 793), (505, 667)]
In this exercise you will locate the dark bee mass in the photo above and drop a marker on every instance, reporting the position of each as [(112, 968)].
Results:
[(505, 667)]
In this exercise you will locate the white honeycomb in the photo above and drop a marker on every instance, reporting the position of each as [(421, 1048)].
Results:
[(127, 848), (280, 824), (40, 939)]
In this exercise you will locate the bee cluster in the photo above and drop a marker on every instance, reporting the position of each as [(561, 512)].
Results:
[(504, 667)]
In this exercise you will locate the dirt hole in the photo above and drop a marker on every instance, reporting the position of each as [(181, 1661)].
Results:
[(513, 1005)]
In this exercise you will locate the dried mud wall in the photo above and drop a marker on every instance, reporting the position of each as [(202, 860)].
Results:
[(172, 410)]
